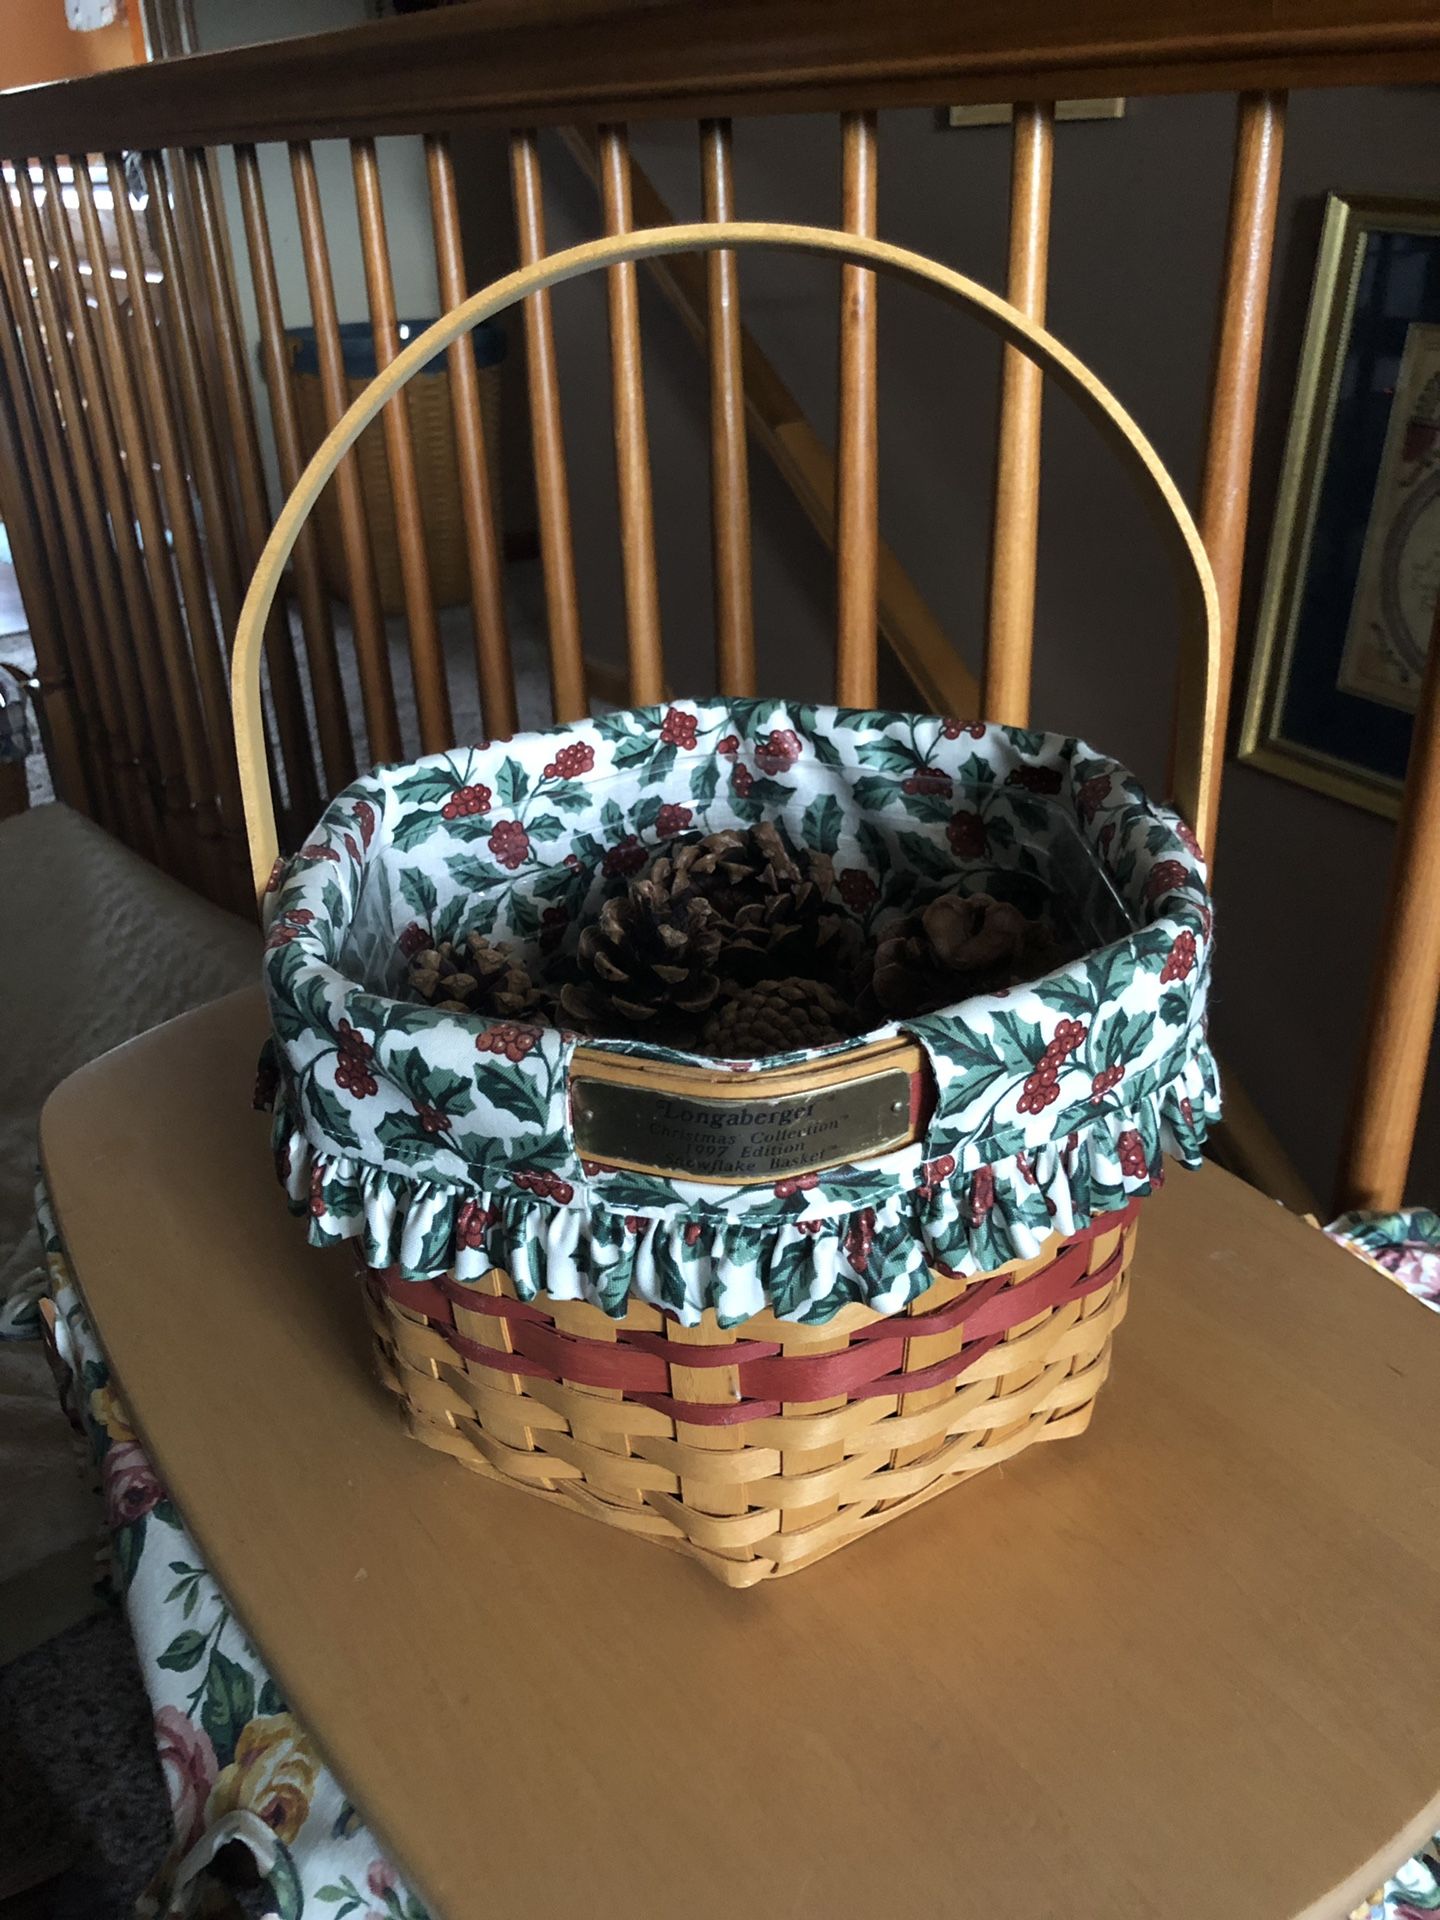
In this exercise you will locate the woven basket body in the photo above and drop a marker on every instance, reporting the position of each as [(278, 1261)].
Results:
[(759, 1449), (748, 1309), (432, 431)]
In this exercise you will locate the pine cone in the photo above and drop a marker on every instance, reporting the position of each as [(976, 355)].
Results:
[(771, 898), (961, 944), (648, 959), (471, 975), (776, 1016)]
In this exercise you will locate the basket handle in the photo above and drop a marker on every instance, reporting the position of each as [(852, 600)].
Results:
[(1197, 768)]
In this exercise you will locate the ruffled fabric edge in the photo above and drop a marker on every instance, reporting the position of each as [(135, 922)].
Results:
[(805, 1267)]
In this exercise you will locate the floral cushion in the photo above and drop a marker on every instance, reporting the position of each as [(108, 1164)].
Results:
[(238, 1767), (1405, 1245), (440, 1140)]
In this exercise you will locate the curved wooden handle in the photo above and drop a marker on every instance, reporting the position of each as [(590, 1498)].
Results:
[(1196, 759)]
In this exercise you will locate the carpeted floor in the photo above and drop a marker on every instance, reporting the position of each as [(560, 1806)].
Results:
[(84, 1814)]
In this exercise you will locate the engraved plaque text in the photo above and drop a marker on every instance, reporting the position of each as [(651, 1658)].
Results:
[(740, 1139)]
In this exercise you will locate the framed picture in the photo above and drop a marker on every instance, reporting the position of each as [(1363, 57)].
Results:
[(1353, 574)]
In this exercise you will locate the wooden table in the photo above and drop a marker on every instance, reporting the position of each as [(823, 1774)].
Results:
[(1182, 1667)]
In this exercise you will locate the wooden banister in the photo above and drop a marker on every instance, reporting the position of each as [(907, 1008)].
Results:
[(557, 61), (376, 687), (1015, 544), (427, 659), (1406, 982), (337, 754), (632, 441), (43, 486), (857, 441), (206, 306), (729, 456), (81, 440), (145, 507), (569, 694), (495, 671), (25, 520), (1235, 392), (804, 462)]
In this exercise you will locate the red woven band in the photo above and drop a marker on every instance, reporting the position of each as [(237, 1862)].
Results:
[(639, 1364)]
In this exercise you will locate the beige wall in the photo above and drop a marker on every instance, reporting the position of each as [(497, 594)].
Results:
[(37, 45), (1139, 227)]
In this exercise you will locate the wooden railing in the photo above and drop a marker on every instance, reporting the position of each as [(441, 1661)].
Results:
[(130, 464)]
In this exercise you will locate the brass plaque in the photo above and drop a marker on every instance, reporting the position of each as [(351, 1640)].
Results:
[(742, 1137)]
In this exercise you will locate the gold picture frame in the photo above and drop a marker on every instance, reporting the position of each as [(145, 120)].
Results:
[(1367, 768)]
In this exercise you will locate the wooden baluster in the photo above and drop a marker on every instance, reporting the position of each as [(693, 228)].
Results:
[(222, 326), (802, 461), (78, 550), (493, 664), (202, 241), (632, 446), (145, 505), (427, 658), (182, 352), (112, 557), (337, 753), (729, 466), (25, 354), (1014, 546), (568, 696), (112, 521), (205, 640), (181, 312), (150, 721), (31, 517), (1225, 491), (381, 724), (1406, 983), (54, 565), (65, 724), (35, 357), (857, 507)]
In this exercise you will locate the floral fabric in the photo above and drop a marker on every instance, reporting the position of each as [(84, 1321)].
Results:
[(237, 1764), (1414, 1891), (1404, 1245), (442, 1140)]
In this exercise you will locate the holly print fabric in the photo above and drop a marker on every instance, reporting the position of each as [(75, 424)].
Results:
[(443, 1141)]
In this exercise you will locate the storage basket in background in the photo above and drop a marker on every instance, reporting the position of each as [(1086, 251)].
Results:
[(432, 428)]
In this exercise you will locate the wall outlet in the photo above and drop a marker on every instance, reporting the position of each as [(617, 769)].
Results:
[(1000, 113), (87, 16)]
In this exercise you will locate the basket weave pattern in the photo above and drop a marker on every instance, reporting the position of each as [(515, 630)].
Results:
[(762, 1448), (432, 430)]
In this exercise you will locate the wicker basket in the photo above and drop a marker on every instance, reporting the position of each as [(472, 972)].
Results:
[(432, 429), (750, 1310), (747, 1310), (760, 1450)]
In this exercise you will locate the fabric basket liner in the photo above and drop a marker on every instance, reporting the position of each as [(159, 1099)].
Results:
[(443, 1142)]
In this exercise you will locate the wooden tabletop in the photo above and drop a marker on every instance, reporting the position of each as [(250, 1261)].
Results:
[(1184, 1666)]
